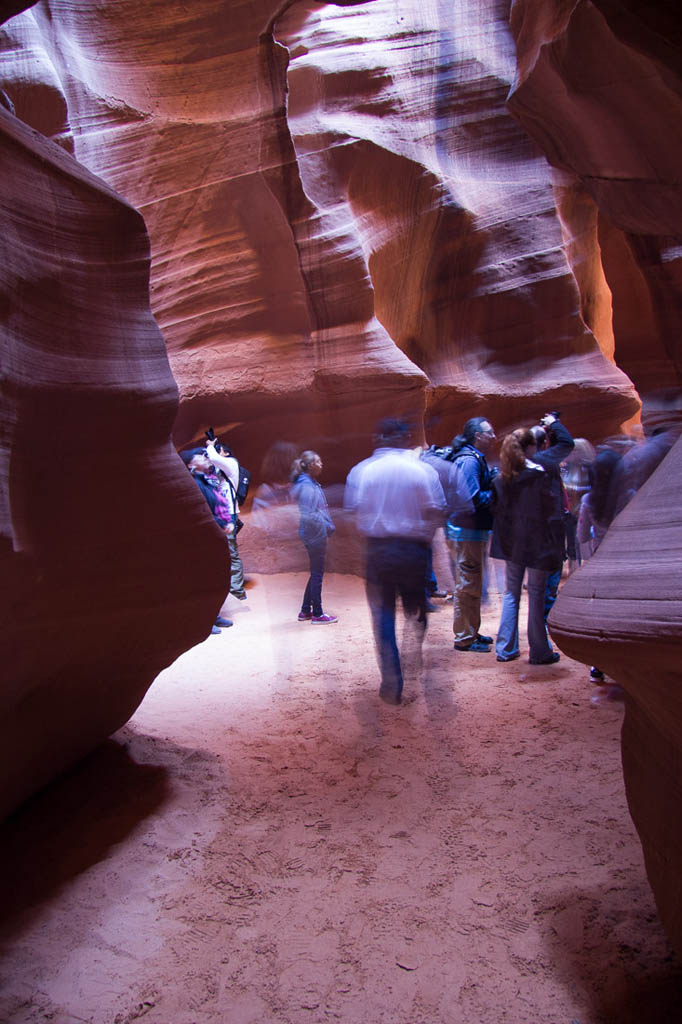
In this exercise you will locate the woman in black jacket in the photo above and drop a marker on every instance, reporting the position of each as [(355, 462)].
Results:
[(528, 533)]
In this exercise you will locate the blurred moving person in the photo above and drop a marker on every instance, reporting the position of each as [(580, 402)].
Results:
[(398, 502)]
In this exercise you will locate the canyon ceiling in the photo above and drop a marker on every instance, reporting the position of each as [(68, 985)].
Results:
[(436, 208)]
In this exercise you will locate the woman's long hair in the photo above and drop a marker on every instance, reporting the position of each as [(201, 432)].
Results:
[(302, 464), (513, 453), (604, 478)]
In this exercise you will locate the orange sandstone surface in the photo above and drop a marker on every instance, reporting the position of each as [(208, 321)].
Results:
[(353, 209)]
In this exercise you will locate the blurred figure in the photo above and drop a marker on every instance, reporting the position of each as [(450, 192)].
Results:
[(468, 529), (398, 502), (440, 459), (206, 480), (529, 536), (314, 528), (6, 102), (598, 505), (275, 488), (575, 474), (640, 460), (597, 511)]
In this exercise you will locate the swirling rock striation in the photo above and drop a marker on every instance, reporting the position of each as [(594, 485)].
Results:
[(345, 220)]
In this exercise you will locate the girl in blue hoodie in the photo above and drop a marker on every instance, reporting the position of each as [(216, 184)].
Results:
[(314, 528)]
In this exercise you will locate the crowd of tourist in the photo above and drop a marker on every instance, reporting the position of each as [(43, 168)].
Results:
[(542, 510)]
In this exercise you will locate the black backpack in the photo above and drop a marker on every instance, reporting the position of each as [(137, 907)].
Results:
[(441, 452), (243, 486)]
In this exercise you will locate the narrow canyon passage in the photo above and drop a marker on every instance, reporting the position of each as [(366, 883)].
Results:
[(266, 842)]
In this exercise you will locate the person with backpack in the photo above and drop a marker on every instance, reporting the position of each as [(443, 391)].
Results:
[(468, 528), (233, 480), (553, 444), (206, 479)]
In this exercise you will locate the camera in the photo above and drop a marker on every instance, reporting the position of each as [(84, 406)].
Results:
[(210, 435)]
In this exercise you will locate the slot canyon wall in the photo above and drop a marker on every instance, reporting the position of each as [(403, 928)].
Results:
[(441, 209), (614, 127), (111, 565)]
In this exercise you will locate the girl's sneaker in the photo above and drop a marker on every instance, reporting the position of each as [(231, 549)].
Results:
[(319, 620)]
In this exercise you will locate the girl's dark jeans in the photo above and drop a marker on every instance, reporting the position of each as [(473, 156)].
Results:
[(312, 599)]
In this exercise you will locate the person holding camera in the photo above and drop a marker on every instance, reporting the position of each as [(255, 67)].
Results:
[(553, 445), (224, 462), (206, 479), (528, 535)]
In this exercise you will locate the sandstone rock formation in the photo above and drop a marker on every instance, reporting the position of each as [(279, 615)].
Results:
[(345, 219), (600, 89), (623, 612), (110, 562)]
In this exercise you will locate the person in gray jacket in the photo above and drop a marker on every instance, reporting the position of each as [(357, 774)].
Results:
[(314, 528)]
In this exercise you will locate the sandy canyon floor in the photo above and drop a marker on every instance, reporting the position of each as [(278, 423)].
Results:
[(267, 842)]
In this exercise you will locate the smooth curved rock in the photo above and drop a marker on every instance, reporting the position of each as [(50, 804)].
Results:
[(622, 611), (111, 564), (600, 89)]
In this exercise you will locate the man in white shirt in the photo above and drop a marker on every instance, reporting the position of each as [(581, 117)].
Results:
[(226, 462), (398, 502)]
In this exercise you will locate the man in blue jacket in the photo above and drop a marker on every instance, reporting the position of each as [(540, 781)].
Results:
[(468, 529)]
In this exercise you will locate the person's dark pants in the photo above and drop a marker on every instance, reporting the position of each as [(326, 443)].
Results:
[(312, 599), (552, 589), (396, 566), (431, 581)]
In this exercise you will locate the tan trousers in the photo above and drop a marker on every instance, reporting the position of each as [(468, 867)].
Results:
[(466, 559)]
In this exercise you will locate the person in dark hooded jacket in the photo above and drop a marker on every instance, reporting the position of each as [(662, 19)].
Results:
[(528, 535)]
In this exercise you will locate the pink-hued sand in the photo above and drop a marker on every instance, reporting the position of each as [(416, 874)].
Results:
[(267, 842)]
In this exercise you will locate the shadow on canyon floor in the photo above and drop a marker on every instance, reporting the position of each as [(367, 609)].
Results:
[(619, 985), (74, 822)]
